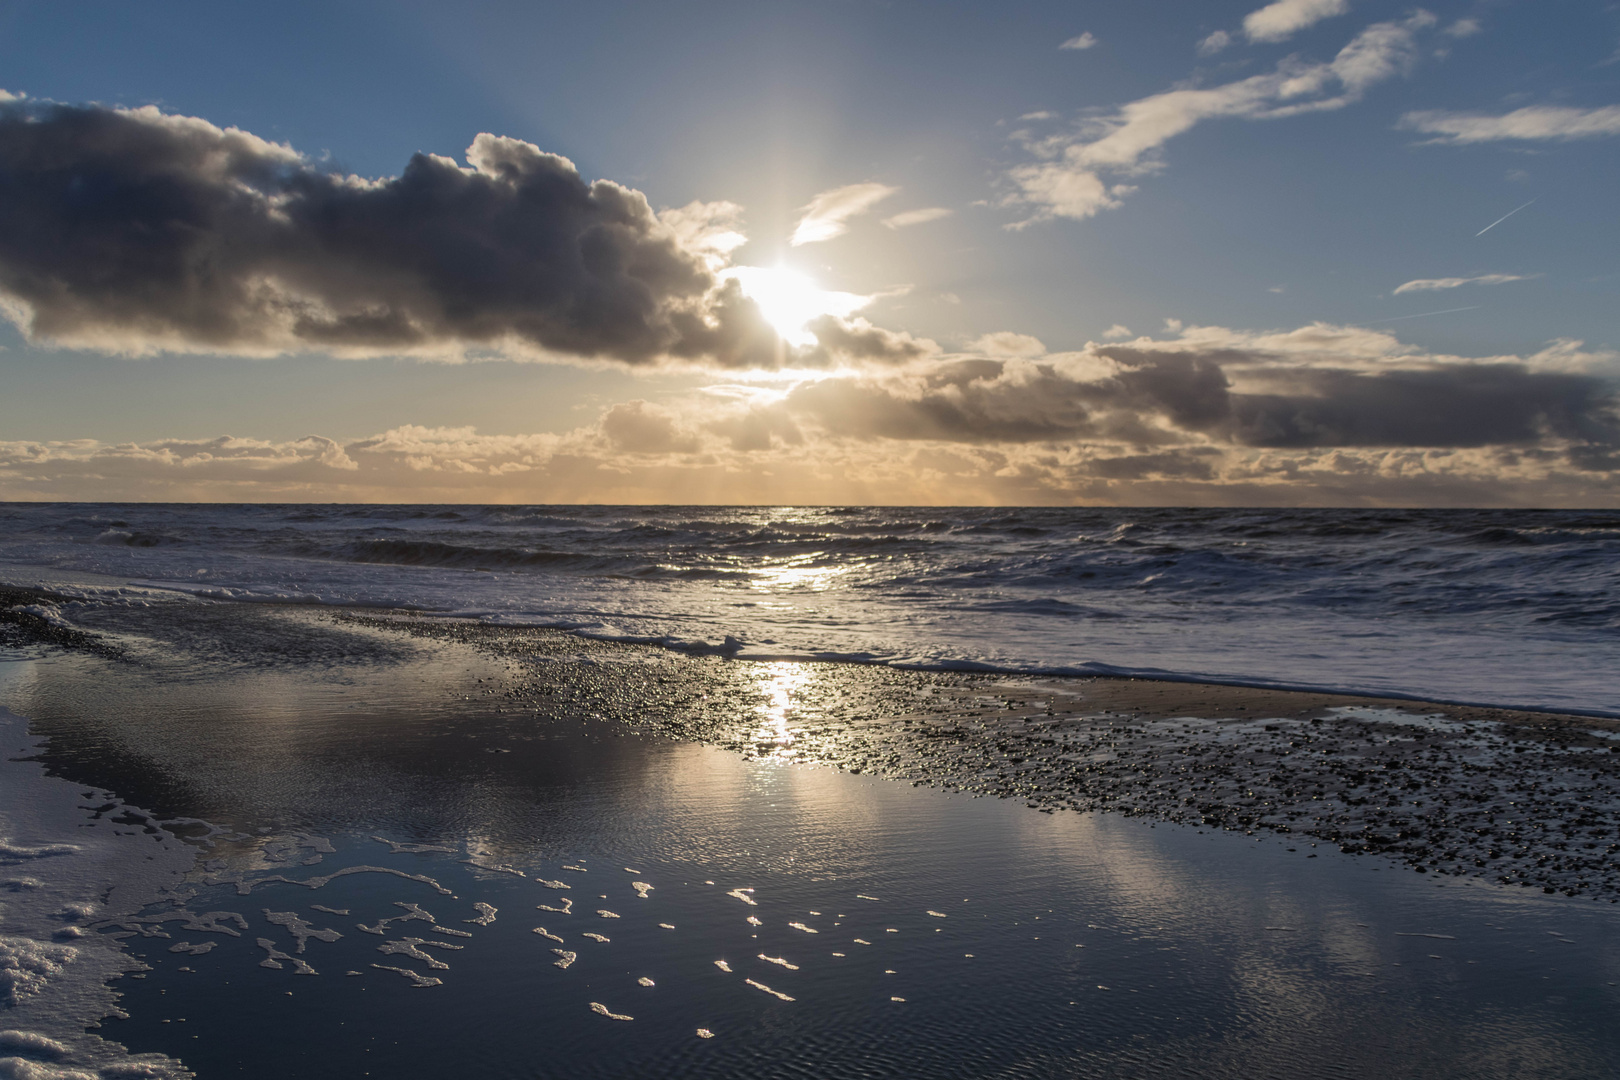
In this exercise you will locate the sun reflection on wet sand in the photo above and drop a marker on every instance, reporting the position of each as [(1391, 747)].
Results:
[(779, 683)]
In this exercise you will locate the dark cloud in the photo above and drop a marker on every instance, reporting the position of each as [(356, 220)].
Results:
[(133, 230), (1456, 405), (1147, 397)]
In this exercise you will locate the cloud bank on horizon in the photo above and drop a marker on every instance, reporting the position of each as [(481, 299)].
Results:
[(1323, 414)]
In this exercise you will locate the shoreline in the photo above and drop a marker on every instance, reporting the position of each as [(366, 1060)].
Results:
[(1438, 788), (1442, 789)]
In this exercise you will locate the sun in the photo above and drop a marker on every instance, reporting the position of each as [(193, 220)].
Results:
[(790, 300)]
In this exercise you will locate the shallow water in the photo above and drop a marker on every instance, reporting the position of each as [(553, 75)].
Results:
[(1505, 607), (1063, 944)]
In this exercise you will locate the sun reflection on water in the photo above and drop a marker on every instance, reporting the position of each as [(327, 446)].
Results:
[(779, 682), (799, 573)]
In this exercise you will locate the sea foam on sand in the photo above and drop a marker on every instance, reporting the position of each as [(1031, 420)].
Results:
[(65, 866)]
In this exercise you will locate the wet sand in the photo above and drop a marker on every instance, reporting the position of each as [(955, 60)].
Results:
[(1511, 797), (1507, 796)]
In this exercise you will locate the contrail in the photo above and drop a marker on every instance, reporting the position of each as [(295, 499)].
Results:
[(1420, 315), (1503, 218)]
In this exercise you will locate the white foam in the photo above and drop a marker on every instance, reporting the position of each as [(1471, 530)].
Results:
[(413, 948), (301, 929), (567, 958), (768, 990), (416, 977), (82, 868), (486, 914), (602, 1010), (274, 957)]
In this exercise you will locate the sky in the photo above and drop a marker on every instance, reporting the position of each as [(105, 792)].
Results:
[(1310, 252)]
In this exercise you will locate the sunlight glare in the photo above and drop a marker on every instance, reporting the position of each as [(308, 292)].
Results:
[(789, 300)]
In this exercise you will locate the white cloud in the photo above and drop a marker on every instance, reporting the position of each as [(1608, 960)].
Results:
[(1084, 41), (1533, 122), (1117, 332), (827, 215), (1213, 44), (1428, 284), (1463, 28), (917, 217), (1068, 179), (1283, 19), (1005, 344)]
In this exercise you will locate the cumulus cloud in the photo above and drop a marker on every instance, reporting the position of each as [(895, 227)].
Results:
[(907, 218), (1077, 174), (1534, 122), (827, 215), (1084, 41), (1428, 284), (1214, 43), (135, 231), (1285, 18), (1464, 28)]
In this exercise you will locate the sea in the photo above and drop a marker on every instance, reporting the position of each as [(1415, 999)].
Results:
[(1492, 607), (257, 842)]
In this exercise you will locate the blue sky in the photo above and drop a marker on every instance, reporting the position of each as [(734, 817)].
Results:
[(1204, 181)]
